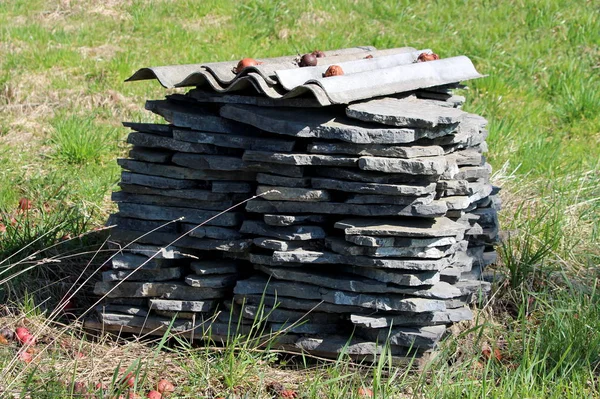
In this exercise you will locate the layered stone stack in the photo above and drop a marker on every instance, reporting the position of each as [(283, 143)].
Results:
[(372, 224)]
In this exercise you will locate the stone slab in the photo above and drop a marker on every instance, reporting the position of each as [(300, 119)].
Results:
[(389, 199), (376, 150), (168, 143), (178, 172), (281, 245), (405, 112), (172, 290), (296, 159), (157, 252), (213, 232), (434, 209), (374, 188), (293, 233), (211, 281), (246, 142), (467, 157), (123, 309), (363, 176), (341, 246), (206, 96), (290, 220), (277, 193), (380, 241), (412, 319), (274, 180), (306, 328), (297, 304), (162, 274), (150, 155), (405, 227), (209, 162), (359, 349), (153, 212), (160, 200), (184, 193), (403, 278), (211, 267), (157, 182), (432, 166), (279, 315), (153, 128), (318, 257), (411, 337), (127, 261), (172, 305)]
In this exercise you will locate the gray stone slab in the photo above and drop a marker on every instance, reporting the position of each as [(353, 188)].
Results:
[(405, 227), (127, 261), (455, 203), (203, 244), (466, 158), (123, 309), (153, 128), (280, 245), (412, 319), (306, 328), (374, 188), (195, 117), (245, 142), (258, 313), (298, 304), (341, 281), (166, 213), (211, 281), (432, 166), (176, 315), (150, 155), (358, 349), (157, 252), (474, 172), (403, 278), (277, 193), (231, 187), (434, 209), (384, 302), (211, 267), (185, 193), (210, 162), (182, 306), (341, 246), (325, 125), (357, 175), (389, 199), (262, 101), (410, 337), (292, 233), (162, 274), (318, 257), (168, 143), (129, 178), (177, 172), (161, 200), (300, 159), (172, 290), (376, 150), (274, 180), (405, 112), (290, 220), (213, 232), (369, 241)]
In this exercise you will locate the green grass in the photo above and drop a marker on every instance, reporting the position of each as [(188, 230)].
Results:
[(62, 98)]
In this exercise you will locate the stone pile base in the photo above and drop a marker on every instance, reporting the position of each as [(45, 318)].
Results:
[(373, 223)]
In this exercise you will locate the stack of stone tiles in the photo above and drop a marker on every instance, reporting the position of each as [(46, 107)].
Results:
[(372, 223)]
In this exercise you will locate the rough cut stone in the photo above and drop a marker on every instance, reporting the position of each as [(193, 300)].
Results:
[(150, 155), (231, 187), (412, 279), (389, 199), (292, 194), (174, 290), (413, 319), (210, 162), (234, 141), (210, 267), (374, 188), (153, 128), (289, 220), (384, 302), (152, 212), (128, 261), (297, 304), (423, 337), (182, 306), (214, 232), (177, 172), (339, 245), (306, 328), (368, 241), (157, 252), (258, 313), (405, 112), (279, 245), (433, 166), (292, 233), (129, 178), (376, 150), (160, 200), (299, 159), (212, 281), (185, 193), (273, 180), (363, 176), (163, 274), (436, 208), (168, 143), (406, 227), (123, 309)]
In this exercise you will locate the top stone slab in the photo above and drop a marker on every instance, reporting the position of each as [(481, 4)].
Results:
[(405, 112), (403, 227)]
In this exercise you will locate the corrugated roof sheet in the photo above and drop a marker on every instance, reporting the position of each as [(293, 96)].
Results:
[(385, 72)]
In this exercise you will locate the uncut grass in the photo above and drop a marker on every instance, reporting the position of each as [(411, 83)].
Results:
[(61, 60)]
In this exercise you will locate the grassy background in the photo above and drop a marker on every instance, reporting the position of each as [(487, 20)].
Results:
[(62, 98)]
